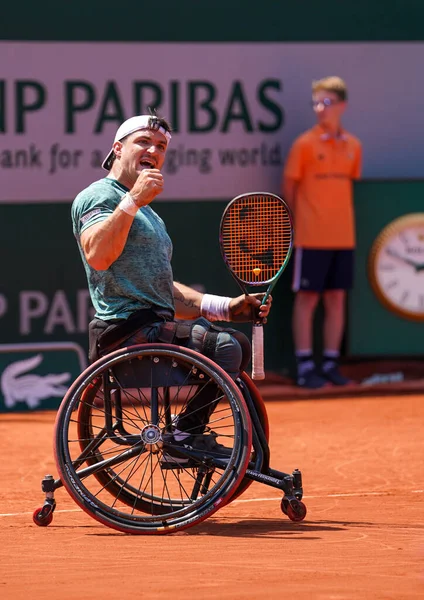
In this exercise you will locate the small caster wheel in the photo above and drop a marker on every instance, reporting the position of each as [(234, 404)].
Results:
[(296, 510), (43, 516)]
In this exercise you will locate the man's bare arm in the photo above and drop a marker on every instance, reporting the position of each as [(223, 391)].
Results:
[(187, 301), (104, 242)]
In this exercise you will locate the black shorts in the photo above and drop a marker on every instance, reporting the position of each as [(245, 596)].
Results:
[(318, 270)]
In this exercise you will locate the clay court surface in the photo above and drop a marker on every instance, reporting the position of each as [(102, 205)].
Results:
[(363, 537)]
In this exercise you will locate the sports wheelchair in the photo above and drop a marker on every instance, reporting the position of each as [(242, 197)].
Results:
[(118, 459)]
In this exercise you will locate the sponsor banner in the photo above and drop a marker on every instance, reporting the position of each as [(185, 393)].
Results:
[(36, 376), (235, 109), (41, 313)]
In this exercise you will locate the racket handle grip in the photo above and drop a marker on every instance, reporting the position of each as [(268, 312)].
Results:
[(258, 352)]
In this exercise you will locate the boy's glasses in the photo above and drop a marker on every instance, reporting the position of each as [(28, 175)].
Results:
[(325, 102)]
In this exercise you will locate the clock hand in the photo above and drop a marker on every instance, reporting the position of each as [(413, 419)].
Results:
[(405, 259)]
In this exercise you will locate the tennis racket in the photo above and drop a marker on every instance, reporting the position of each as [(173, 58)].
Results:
[(256, 240)]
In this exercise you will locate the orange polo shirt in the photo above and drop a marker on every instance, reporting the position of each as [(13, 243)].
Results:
[(324, 168)]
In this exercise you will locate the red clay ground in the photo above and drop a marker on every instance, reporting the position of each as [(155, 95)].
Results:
[(362, 464)]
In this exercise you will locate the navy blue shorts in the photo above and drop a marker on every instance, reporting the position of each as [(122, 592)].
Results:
[(319, 270)]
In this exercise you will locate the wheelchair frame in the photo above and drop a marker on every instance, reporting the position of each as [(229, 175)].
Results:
[(117, 458)]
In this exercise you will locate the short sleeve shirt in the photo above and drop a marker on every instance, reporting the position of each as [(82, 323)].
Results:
[(141, 277), (324, 168)]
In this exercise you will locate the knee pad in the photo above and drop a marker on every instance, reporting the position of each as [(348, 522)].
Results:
[(246, 348), (218, 344)]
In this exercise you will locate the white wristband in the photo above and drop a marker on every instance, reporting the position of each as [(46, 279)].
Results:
[(128, 204), (215, 308)]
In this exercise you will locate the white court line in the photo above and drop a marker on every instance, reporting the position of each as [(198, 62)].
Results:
[(273, 499)]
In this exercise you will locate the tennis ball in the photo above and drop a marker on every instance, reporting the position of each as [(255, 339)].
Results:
[(256, 270)]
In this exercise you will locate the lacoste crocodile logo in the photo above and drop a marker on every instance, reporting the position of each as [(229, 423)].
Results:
[(19, 386)]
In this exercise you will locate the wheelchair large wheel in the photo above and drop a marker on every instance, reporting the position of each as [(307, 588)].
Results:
[(115, 451), (264, 423)]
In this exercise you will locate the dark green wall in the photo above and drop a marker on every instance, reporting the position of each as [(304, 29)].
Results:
[(196, 20)]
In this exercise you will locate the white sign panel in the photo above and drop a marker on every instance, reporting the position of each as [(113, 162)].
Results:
[(235, 109)]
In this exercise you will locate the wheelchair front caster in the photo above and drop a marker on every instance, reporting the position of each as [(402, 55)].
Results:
[(294, 509), (43, 516)]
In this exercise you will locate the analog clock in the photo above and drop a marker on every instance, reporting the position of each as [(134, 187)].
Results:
[(396, 266)]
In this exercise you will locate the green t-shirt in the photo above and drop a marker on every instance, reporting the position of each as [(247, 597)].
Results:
[(142, 276)]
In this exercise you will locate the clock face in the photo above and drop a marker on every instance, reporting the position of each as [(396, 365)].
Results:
[(397, 266)]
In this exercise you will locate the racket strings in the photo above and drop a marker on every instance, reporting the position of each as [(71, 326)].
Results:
[(256, 236)]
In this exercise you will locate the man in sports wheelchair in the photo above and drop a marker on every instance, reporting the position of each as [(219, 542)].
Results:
[(126, 253), (136, 433)]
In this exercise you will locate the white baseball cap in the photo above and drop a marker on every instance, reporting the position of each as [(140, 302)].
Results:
[(135, 124)]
